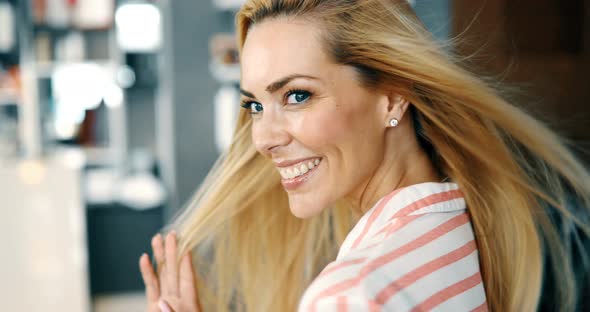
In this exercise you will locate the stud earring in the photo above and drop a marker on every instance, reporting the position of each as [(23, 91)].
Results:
[(393, 122)]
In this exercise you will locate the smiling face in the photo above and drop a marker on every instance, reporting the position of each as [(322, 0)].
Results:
[(323, 130)]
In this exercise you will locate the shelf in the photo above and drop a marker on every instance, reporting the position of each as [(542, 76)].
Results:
[(46, 69)]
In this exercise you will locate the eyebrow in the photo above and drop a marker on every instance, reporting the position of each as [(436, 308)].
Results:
[(278, 84)]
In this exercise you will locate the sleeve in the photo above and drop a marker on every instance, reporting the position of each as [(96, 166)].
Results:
[(342, 303), (429, 264)]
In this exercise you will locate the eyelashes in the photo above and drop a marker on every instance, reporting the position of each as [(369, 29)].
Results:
[(291, 97), (252, 106), (299, 96)]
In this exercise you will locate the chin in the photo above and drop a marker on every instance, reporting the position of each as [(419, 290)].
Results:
[(304, 211)]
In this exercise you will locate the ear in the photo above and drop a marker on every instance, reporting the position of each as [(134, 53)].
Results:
[(397, 106)]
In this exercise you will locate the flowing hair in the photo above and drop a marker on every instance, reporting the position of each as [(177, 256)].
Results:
[(252, 254)]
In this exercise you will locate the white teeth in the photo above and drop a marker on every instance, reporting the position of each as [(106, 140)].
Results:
[(298, 170), (285, 173)]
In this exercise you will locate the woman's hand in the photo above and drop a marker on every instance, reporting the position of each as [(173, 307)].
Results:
[(173, 288)]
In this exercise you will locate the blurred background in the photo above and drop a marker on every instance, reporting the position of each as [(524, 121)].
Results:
[(113, 111)]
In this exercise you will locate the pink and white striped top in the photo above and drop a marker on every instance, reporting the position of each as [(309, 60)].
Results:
[(413, 251)]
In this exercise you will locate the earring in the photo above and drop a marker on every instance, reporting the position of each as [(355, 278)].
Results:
[(393, 122)]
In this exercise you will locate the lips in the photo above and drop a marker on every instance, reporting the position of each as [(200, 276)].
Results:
[(298, 173), (299, 168)]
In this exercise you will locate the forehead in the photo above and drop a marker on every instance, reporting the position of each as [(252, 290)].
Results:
[(279, 47)]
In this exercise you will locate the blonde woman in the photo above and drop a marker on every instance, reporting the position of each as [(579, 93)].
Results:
[(369, 171)]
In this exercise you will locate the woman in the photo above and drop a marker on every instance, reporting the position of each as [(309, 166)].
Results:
[(364, 152)]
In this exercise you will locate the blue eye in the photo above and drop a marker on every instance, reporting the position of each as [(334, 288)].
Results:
[(297, 96), (254, 107)]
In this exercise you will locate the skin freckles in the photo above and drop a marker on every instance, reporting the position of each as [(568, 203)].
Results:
[(326, 114)]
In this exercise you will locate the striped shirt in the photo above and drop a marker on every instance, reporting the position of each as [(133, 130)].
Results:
[(413, 251)]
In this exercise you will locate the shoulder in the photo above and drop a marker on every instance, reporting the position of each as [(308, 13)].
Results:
[(400, 208), (417, 261)]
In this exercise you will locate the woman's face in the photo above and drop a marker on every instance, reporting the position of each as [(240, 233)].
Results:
[(322, 129)]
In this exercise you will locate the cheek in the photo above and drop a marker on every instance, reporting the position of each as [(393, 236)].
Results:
[(322, 129), (254, 135), (343, 132), (336, 125)]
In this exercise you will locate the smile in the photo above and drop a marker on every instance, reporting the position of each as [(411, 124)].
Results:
[(299, 169), (295, 175)]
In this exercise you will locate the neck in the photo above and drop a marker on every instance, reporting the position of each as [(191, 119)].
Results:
[(405, 167)]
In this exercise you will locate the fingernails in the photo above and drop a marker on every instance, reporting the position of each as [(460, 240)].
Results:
[(155, 238), (163, 306), (171, 235)]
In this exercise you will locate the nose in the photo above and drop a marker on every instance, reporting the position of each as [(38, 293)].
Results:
[(269, 132)]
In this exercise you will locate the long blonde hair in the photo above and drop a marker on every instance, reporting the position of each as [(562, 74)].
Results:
[(252, 254)]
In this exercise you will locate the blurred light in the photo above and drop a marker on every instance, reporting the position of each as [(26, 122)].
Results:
[(100, 186), (93, 14), (72, 157), (138, 27), (79, 85), (113, 96), (226, 112), (69, 112), (7, 27), (31, 172), (141, 191), (125, 77), (65, 130)]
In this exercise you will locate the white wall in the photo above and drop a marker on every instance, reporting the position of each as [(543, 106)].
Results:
[(43, 254)]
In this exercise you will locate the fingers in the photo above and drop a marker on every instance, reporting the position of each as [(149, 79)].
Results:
[(158, 248), (150, 279), (163, 305), (171, 278), (176, 281), (187, 279)]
